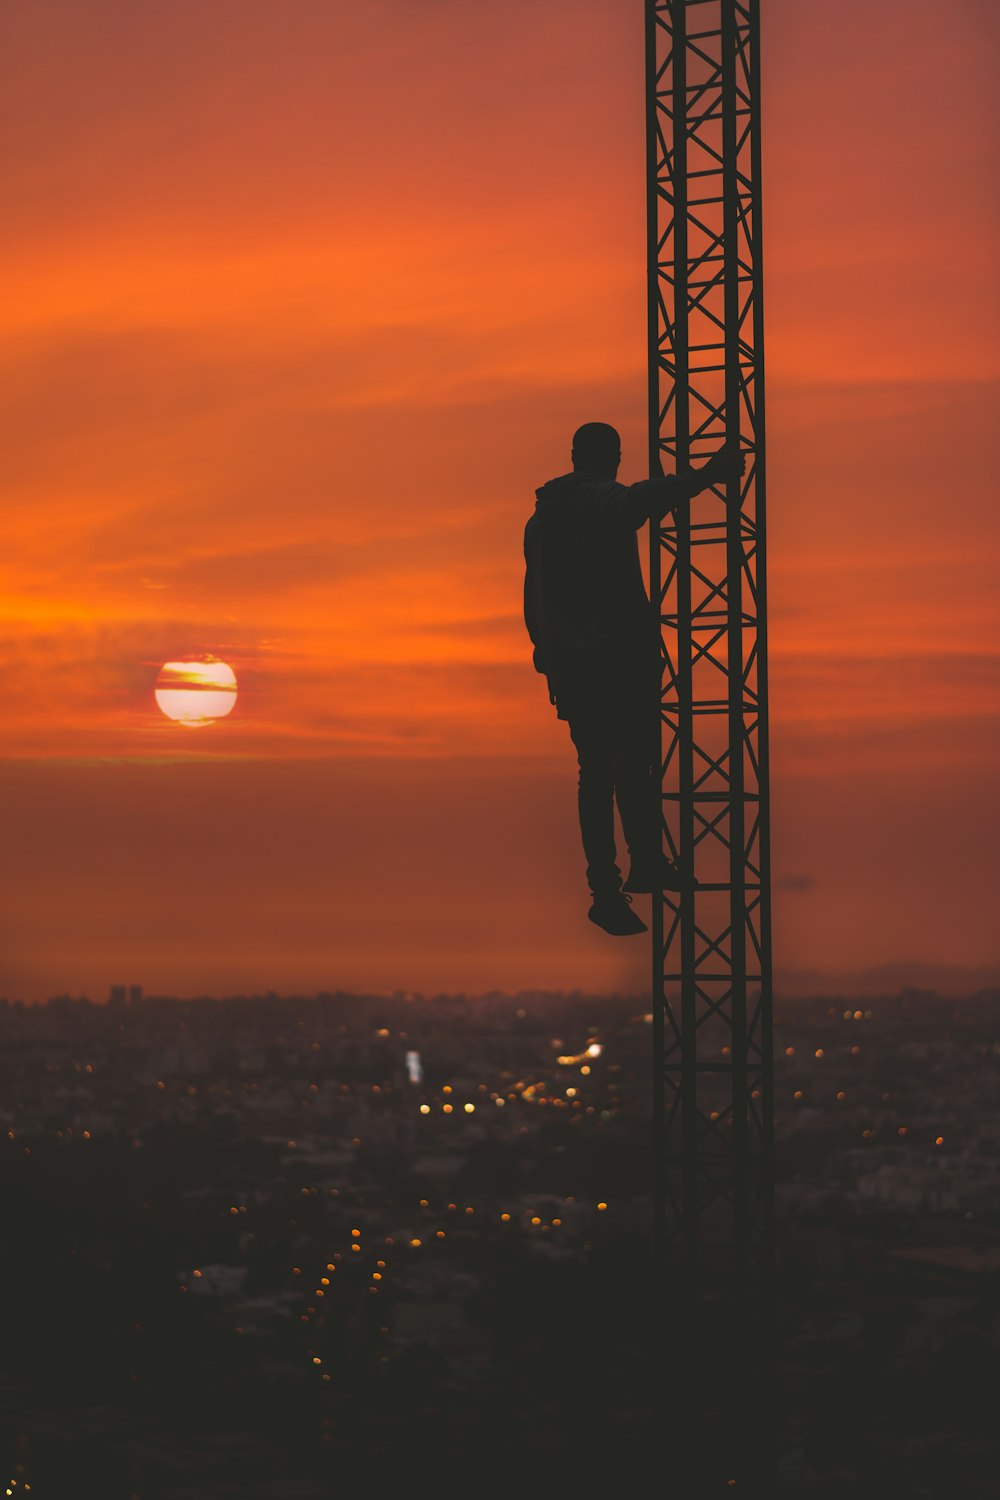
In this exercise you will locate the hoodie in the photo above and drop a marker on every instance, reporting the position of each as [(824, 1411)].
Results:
[(585, 603)]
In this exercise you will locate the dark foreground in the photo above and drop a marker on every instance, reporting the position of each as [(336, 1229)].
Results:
[(245, 1254)]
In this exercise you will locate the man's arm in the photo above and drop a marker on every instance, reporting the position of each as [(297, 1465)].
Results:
[(657, 496), (532, 607)]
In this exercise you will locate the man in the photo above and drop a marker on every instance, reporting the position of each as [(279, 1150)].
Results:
[(596, 639)]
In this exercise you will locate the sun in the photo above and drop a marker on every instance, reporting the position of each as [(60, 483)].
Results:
[(196, 691)]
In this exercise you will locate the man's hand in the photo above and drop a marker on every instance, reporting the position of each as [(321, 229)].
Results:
[(728, 463)]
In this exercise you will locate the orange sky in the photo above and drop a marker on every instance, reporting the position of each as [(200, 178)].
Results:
[(303, 301)]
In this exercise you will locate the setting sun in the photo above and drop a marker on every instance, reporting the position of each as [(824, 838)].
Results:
[(196, 691)]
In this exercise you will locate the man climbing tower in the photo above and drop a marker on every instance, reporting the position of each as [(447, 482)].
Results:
[(596, 640)]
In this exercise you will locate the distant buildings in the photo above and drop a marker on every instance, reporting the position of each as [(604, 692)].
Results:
[(119, 995)]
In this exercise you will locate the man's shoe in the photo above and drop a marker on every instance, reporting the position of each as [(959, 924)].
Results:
[(614, 913), (673, 877)]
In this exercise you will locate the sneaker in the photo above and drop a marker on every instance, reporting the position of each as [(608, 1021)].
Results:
[(615, 915), (673, 877)]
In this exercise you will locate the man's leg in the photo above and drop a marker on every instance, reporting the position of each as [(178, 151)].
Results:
[(633, 777), (635, 794), (589, 730)]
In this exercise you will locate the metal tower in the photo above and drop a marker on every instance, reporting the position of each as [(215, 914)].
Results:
[(711, 945)]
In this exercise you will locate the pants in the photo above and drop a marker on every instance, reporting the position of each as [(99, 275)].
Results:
[(611, 723)]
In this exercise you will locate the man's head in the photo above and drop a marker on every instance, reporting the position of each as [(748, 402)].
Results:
[(597, 449)]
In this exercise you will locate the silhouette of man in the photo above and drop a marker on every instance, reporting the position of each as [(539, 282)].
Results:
[(596, 639)]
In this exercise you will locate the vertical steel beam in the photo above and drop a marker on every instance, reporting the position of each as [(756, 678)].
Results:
[(655, 588), (734, 644)]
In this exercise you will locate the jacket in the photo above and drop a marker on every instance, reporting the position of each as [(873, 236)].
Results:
[(585, 603)]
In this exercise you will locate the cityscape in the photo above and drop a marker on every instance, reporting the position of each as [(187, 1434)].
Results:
[(514, 574), (256, 1244)]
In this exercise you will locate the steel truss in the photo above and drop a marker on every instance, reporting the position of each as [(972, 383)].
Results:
[(711, 946)]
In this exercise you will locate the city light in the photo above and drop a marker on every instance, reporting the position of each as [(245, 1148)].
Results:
[(570, 1060), (414, 1067)]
